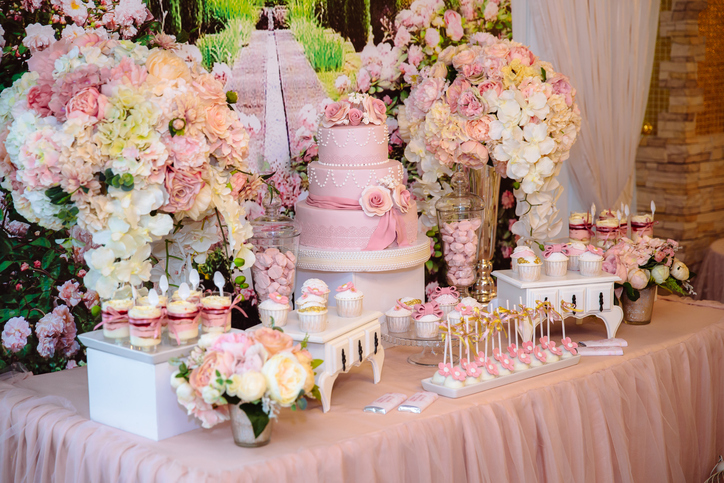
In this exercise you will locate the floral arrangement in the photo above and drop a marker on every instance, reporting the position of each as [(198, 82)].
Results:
[(493, 100), (647, 262), (139, 147), (260, 372), (354, 110)]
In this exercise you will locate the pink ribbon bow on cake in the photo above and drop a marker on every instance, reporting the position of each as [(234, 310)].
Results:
[(347, 286), (430, 308), (557, 248), (446, 291), (595, 250)]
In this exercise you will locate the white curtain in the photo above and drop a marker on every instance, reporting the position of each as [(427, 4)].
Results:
[(606, 47)]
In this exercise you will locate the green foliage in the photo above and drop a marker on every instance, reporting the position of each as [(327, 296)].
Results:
[(225, 46), (323, 48), (357, 13), (258, 418)]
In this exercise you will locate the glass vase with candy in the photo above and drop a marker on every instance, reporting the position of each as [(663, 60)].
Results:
[(460, 219), (276, 246)]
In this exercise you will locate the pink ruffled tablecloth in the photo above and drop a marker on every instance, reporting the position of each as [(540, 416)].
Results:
[(655, 414)]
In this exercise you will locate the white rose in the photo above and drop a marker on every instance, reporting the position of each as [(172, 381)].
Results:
[(252, 386), (285, 378), (679, 270), (210, 394), (185, 393), (176, 381), (660, 273)]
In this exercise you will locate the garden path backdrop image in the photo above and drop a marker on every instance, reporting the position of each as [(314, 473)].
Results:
[(279, 63)]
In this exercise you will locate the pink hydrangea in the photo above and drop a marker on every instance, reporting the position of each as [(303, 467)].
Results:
[(15, 334)]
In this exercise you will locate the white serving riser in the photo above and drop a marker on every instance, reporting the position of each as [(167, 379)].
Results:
[(592, 295), (346, 343), (131, 390), (499, 381)]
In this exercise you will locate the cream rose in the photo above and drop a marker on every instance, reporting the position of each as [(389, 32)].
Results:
[(401, 197), (638, 278), (376, 200), (217, 121), (285, 378), (164, 64), (376, 110), (305, 359), (273, 340), (660, 273), (438, 70), (252, 386)]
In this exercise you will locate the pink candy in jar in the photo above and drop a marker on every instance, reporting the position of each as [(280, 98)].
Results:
[(274, 271), (460, 248)]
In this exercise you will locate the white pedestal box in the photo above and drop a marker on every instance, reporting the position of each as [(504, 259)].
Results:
[(383, 276), (131, 390)]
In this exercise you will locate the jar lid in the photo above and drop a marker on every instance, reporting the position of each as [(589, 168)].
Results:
[(460, 199), (273, 225)]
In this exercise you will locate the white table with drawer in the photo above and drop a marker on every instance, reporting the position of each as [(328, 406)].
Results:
[(346, 342), (591, 295)]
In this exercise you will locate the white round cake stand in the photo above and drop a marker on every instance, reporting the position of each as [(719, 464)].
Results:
[(432, 349)]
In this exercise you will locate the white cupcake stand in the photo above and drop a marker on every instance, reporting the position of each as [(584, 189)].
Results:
[(591, 295)]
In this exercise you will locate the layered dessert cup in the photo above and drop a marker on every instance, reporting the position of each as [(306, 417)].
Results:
[(114, 314), (183, 322), (145, 327), (216, 313)]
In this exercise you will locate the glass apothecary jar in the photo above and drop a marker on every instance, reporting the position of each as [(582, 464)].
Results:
[(276, 246), (460, 219)]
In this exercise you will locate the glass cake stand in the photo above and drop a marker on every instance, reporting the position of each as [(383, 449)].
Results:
[(432, 349)]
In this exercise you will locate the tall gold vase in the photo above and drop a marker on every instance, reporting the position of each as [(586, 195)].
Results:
[(485, 182)]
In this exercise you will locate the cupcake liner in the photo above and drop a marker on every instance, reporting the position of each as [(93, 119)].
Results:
[(313, 321), (397, 323), (349, 307), (590, 268), (529, 272), (556, 268), (573, 263), (427, 330), (514, 265), (447, 308), (279, 315)]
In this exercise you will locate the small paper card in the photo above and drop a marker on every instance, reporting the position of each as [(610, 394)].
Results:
[(385, 403), (418, 402), (600, 351), (604, 343)]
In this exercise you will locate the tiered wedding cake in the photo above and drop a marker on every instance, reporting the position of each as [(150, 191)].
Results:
[(357, 197)]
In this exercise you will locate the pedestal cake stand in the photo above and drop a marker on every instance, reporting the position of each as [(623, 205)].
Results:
[(432, 349)]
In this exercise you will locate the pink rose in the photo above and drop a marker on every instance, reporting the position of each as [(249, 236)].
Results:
[(453, 92), (182, 187), (355, 117), (87, 101), (376, 200), (491, 12), (498, 49), (15, 334), (453, 22), (235, 344), (363, 80), (213, 361), (562, 87), (39, 97), (402, 198), (69, 293), (478, 129), (473, 154), (489, 84), (238, 181), (465, 57), (474, 72), (432, 37), (507, 200), (376, 110), (335, 114), (470, 105), (402, 38), (523, 54), (415, 55), (273, 340), (492, 66)]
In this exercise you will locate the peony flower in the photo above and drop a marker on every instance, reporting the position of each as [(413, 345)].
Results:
[(273, 340), (473, 154), (638, 278), (660, 273), (87, 101), (679, 270), (166, 65), (15, 334), (355, 117), (205, 374), (453, 22), (39, 98), (252, 386), (69, 293), (376, 200), (38, 37), (402, 198), (363, 80), (432, 37), (285, 378), (470, 105), (335, 114), (182, 187)]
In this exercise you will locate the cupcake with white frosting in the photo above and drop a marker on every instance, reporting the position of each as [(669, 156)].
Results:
[(398, 318), (520, 252), (591, 262), (575, 250), (529, 268), (315, 286), (274, 310), (447, 298), (349, 300)]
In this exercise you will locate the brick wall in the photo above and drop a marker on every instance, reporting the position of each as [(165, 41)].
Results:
[(681, 166)]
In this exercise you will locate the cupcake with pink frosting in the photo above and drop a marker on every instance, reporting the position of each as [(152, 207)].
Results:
[(575, 250), (447, 298), (520, 252)]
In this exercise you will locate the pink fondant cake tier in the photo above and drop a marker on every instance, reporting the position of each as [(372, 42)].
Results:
[(349, 182), (363, 145), (344, 229)]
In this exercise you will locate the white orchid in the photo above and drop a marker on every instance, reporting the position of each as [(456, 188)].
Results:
[(535, 106), (538, 142), (509, 111), (537, 175)]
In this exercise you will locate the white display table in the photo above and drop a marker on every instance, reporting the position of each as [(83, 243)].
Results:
[(347, 342), (591, 295)]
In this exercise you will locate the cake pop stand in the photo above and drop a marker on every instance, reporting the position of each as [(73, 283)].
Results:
[(432, 349)]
